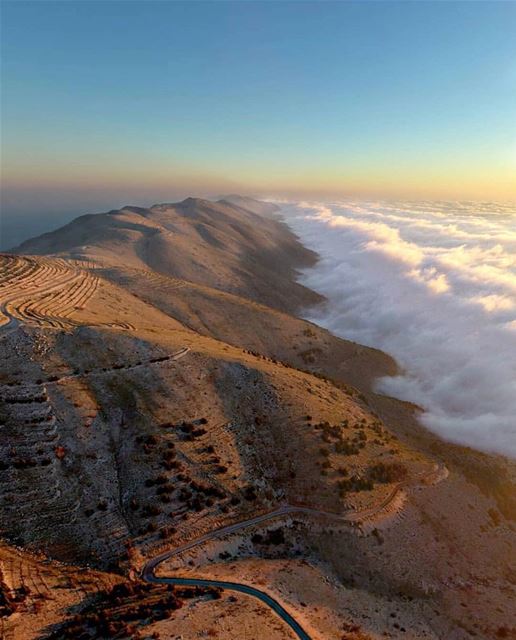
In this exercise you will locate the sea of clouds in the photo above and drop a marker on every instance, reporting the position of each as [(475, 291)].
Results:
[(434, 285)]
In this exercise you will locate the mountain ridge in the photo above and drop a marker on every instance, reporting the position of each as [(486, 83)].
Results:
[(157, 386), (185, 240)]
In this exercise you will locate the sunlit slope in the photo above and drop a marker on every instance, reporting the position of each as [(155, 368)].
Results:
[(41, 599), (248, 324), (108, 429), (56, 294), (36, 593), (218, 245), (102, 393)]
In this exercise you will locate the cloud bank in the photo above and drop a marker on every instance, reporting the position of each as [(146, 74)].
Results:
[(434, 285)]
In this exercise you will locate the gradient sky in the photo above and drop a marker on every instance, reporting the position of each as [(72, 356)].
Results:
[(124, 100)]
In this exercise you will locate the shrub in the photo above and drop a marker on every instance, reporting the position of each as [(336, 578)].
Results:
[(164, 488), (385, 473), (151, 510), (250, 493), (355, 483), (347, 448)]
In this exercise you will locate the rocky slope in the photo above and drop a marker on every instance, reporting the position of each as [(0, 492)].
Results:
[(216, 244), (155, 387)]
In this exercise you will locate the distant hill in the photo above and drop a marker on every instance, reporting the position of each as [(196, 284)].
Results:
[(256, 206), (221, 244)]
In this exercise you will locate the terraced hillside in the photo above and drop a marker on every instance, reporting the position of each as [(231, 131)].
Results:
[(95, 433), (40, 598), (155, 421), (42, 291), (36, 593), (216, 244), (57, 294)]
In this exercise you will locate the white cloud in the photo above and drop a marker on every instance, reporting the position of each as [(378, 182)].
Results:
[(434, 284)]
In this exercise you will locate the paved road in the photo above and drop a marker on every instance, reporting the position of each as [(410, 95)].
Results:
[(242, 588), (148, 572), (282, 511), (150, 566)]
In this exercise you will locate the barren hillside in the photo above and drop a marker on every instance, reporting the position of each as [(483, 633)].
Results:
[(157, 396), (216, 244)]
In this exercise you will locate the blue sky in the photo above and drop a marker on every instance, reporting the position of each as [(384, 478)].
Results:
[(284, 97)]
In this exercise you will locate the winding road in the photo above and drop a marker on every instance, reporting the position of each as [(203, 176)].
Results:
[(242, 588), (149, 570)]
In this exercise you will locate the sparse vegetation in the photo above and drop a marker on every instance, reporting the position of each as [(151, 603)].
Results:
[(126, 608)]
